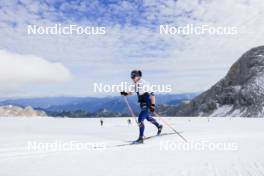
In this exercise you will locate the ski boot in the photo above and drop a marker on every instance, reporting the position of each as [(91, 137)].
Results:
[(140, 140), (159, 129)]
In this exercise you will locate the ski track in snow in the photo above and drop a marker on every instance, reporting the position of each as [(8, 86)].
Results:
[(146, 159)]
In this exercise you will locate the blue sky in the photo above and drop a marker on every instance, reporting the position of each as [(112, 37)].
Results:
[(55, 65)]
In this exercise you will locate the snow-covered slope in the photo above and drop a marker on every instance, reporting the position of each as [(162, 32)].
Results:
[(239, 93), (216, 146)]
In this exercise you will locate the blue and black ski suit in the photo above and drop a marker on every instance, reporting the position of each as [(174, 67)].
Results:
[(145, 102)]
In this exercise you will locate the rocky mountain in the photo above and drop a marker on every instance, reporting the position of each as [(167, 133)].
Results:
[(239, 93), (14, 111)]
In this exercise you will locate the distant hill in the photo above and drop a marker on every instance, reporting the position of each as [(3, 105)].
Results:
[(16, 111)]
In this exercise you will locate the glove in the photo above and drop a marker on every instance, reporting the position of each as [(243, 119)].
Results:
[(152, 108), (124, 93)]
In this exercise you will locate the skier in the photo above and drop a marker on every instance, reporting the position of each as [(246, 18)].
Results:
[(146, 99), (101, 122), (129, 121)]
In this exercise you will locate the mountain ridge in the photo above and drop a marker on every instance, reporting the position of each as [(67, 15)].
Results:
[(91, 105)]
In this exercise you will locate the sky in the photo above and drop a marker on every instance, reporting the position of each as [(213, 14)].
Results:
[(69, 65)]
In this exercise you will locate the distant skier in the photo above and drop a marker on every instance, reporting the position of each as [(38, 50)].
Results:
[(129, 121), (101, 122), (146, 99)]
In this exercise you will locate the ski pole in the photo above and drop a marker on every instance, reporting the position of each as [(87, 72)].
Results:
[(130, 109), (168, 125)]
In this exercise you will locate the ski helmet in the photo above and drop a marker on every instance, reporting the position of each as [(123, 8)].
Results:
[(135, 73)]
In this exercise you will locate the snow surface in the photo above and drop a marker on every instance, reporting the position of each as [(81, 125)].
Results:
[(244, 157), (222, 111)]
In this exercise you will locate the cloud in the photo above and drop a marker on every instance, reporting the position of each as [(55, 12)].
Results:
[(193, 63), (18, 70)]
